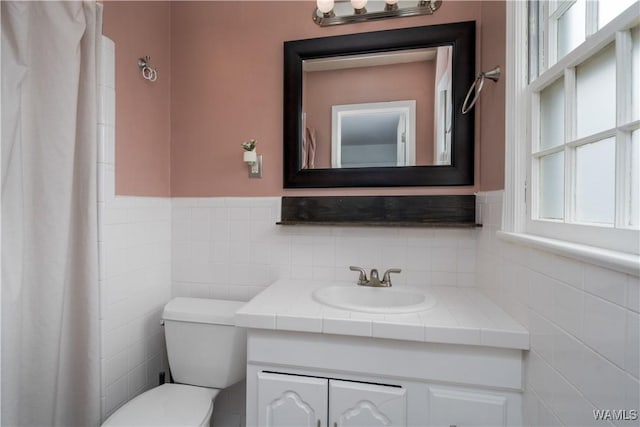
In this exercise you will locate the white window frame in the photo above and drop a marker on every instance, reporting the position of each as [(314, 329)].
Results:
[(608, 246)]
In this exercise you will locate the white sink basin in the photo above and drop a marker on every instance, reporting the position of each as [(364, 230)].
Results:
[(375, 300)]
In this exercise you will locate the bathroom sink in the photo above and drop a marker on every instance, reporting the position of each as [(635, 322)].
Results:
[(375, 300)]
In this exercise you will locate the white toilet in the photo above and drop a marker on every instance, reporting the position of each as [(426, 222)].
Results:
[(206, 353)]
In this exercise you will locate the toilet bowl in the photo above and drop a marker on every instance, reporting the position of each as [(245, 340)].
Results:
[(206, 353)]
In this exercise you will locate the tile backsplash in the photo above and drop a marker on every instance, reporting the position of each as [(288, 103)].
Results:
[(584, 324), (231, 248), (584, 320)]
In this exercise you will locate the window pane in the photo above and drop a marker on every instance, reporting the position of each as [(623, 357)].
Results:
[(609, 9), (635, 179), (536, 40), (571, 28), (596, 93), (635, 68), (551, 187), (595, 182), (552, 115)]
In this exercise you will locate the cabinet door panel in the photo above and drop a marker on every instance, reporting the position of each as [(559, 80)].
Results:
[(289, 400), (354, 404), (461, 408)]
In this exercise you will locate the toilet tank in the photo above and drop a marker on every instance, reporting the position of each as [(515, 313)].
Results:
[(204, 347)]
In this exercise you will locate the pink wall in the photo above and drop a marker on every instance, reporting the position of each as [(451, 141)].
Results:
[(223, 68), (490, 113), (398, 82), (143, 128)]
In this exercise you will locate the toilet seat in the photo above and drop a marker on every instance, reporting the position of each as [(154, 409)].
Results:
[(167, 405)]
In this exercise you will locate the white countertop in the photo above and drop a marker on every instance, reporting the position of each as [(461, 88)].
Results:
[(461, 316)]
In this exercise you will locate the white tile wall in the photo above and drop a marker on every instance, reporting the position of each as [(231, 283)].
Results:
[(231, 248), (135, 268), (135, 284), (584, 325)]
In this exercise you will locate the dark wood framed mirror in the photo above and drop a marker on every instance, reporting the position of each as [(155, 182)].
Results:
[(459, 167)]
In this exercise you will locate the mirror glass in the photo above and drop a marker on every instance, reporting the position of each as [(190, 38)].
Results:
[(379, 108), (364, 107)]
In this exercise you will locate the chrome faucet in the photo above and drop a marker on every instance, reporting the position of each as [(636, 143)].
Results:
[(374, 280)]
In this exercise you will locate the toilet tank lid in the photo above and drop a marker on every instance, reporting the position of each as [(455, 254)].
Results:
[(201, 310)]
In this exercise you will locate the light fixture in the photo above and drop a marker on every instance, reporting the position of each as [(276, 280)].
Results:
[(359, 6), (335, 12)]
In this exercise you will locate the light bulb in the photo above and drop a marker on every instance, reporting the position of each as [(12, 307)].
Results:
[(358, 4), (324, 6)]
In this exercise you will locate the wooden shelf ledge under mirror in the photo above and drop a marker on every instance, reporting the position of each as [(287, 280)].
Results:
[(381, 211)]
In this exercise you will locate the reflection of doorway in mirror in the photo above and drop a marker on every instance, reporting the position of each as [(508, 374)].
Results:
[(375, 134), (443, 107)]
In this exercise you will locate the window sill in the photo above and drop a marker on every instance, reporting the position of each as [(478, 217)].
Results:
[(614, 260)]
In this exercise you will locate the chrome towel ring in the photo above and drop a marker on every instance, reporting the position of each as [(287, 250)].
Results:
[(478, 83), (148, 72)]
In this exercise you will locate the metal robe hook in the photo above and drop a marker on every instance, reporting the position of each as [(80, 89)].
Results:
[(148, 72), (478, 83)]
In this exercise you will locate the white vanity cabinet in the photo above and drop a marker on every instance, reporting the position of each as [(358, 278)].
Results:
[(306, 379), (295, 401)]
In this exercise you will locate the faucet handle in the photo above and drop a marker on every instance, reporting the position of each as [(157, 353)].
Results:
[(362, 279), (386, 279)]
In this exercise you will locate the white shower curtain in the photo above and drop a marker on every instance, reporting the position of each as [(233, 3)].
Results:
[(50, 307)]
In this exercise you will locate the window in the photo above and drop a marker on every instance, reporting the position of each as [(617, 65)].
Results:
[(583, 95)]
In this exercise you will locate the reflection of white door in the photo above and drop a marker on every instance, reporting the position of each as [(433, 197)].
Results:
[(354, 404), (442, 154), (401, 142), (368, 135), (291, 401)]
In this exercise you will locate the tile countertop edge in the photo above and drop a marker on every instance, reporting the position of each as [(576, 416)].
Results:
[(269, 310)]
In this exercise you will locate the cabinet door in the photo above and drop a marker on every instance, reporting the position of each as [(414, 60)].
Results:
[(461, 408), (359, 404), (290, 400)]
